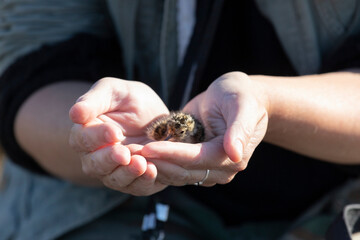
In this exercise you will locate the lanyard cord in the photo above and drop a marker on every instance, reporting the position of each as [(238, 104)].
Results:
[(157, 214), (189, 76), (155, 218)]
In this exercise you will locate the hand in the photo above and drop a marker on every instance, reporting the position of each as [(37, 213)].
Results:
[(234, 112), (109, 131)]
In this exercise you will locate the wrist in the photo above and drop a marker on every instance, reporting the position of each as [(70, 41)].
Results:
[(263, 87), (274, 104)]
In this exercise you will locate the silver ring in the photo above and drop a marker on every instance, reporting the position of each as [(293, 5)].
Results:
[(204, 179)]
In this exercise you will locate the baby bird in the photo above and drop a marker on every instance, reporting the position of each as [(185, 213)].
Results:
[(176, 127)]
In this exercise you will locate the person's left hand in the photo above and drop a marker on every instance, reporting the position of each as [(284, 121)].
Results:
[(109, 131), (234, 113)]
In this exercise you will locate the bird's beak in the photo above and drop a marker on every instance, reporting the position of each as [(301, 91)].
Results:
[(168, 137)]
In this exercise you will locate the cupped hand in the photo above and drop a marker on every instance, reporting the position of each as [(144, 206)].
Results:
[(109, 131), (233, 111)]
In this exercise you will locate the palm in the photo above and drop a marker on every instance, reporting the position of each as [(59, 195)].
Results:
[(232, 112), (134, 112), (209, 114), (114, 113)]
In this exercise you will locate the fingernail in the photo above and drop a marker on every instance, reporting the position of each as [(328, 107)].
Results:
[(119, 135), (239, 150)]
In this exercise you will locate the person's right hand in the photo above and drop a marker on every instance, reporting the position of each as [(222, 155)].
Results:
[(234, 112), (109, 131)]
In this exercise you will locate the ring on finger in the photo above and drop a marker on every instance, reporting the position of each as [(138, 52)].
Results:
[(204, 179)]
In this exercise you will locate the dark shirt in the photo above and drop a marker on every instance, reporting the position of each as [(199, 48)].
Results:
[(277, 184)]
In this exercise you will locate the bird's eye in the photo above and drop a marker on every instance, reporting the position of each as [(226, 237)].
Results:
[(181, 132)]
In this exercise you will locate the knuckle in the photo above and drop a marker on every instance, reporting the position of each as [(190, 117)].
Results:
[(88, 138), (164, 180), (91, 167), (73, 138), (230, 75), (107, 126), (106, 80), (111, 181), (179, 179), (86, 169), (84, 141), (226, 179), (183, 177), (241, 166), (232, 99), (235, 74)]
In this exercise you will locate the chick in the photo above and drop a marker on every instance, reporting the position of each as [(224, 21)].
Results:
[(176, 127)]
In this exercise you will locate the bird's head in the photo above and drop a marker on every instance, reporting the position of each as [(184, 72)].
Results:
[(180, 127)]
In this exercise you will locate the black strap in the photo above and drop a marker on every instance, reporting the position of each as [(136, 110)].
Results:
[(207, 17), (206, 44)]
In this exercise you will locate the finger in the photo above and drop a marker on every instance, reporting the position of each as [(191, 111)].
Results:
[(170, 174), (206, 155), (180, 164), (146, 184), (241, 117), (135, 149), (103, 97), (94, 135), (104, 161), (174, 175), (123, 176)]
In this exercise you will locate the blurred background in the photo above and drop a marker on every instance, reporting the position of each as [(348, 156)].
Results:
[(1, 164)]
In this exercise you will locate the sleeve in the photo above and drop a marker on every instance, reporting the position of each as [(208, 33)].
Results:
[(345, 56), (83, 57)]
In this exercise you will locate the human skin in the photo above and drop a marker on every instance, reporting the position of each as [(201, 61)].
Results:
[(315, 115), (118, 115)]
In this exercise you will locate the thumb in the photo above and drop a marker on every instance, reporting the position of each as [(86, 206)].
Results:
[(98, 100), (241, 121)]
